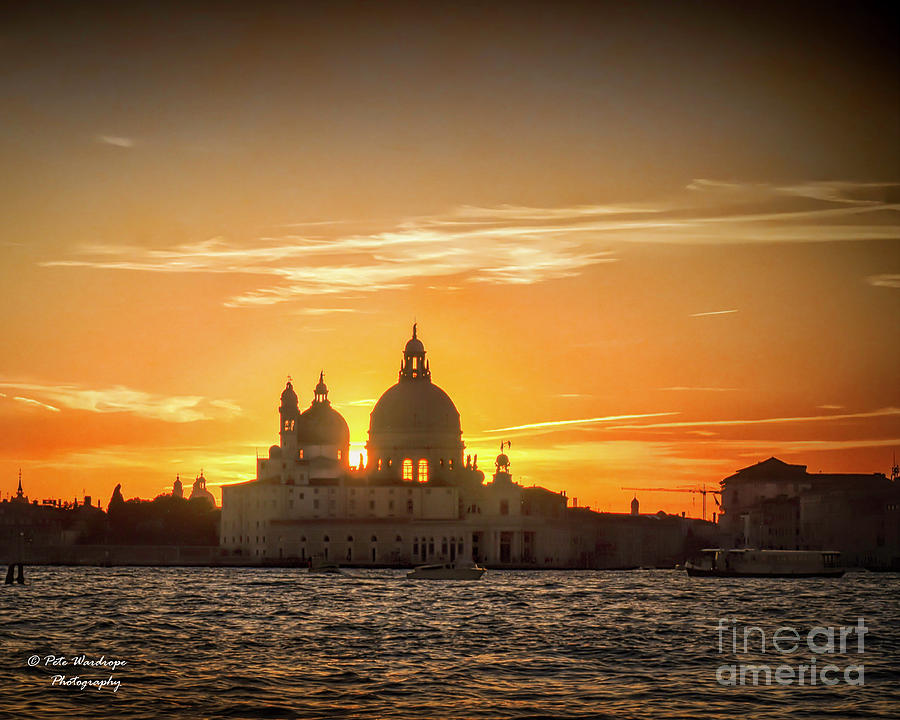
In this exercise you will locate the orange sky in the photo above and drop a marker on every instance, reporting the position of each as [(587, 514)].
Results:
[(648, 244)]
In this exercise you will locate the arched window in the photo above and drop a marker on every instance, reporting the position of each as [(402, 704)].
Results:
[(374, 538), (378, 464), (340, 453), (407, 469), (423, 470)]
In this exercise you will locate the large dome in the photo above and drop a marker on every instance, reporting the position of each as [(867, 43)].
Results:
[(410, 407), (414, 429)]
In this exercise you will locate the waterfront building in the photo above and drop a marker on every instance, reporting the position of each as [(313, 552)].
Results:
[(33, 529), (419, 497), (776, 505)]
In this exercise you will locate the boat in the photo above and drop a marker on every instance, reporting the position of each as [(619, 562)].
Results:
[(324, 567), (749, 562), (447, 571)]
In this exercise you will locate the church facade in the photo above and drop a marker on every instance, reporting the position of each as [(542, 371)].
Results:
[(417, 499)]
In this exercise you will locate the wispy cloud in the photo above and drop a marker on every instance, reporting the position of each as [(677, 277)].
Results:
[(577, 422), (884, 412), (684, 388), (612, 423), (513, 245), (831, 191), (711, 313), (325, 311), (36, 403), (360, 403), (219, 467), (115, 140), (886, 280), (119, 399)]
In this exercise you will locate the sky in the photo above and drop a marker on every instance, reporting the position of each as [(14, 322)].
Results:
[(646, 243)]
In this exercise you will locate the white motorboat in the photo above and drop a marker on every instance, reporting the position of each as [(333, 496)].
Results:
[(748, 562), (447, 571)]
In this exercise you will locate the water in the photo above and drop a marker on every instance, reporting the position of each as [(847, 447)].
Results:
[(248, 643)]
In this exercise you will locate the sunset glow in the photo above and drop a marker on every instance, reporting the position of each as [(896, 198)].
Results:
[(643, 260)]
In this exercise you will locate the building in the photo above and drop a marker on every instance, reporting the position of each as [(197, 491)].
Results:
[(198, 491), (418, 498), (32, 530), (780, 506)]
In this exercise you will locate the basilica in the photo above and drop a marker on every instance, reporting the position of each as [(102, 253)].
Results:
[(418, 498)]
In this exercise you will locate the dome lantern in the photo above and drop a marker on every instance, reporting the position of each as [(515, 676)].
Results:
[(414, 366), (321, 391)]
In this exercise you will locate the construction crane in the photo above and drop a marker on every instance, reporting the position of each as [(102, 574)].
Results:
[(703, 492)]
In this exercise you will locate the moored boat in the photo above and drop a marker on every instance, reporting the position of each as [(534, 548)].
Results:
[(447, 571), (749, 562)]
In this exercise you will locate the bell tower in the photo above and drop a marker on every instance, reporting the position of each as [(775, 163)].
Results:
[(289, 413)]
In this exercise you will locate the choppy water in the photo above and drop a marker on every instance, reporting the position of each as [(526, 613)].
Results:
[(245, 643)]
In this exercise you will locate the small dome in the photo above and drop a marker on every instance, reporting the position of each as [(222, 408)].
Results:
[(321, 424), (275, 451), (414, 347), (199, 491), (203, 495), (502, 460)]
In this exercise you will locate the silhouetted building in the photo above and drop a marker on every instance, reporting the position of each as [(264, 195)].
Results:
[(780, 506), (199, 491), (29, 529), (419, 498), (177, 489)]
